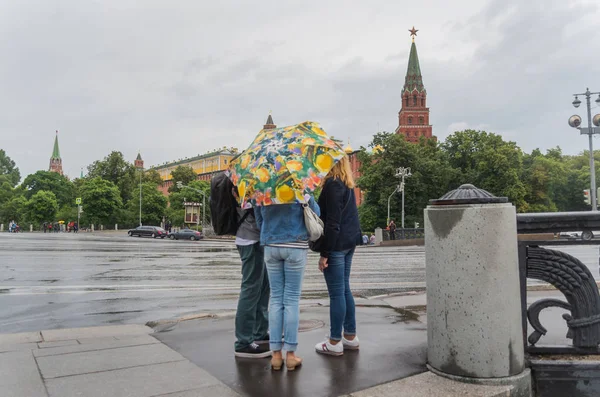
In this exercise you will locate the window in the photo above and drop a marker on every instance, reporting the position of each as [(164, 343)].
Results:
[(423, 102), (410, 120), (421, 120), (415, 100), (225, 161)]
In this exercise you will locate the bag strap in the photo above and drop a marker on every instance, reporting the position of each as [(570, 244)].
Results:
[(246, 213)]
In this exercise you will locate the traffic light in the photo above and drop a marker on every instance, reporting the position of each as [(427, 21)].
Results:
[(586, 197)]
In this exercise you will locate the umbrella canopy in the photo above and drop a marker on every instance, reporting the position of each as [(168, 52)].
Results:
[(283, 164)]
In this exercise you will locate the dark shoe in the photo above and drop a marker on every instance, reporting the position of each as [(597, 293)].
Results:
[(254, 351)]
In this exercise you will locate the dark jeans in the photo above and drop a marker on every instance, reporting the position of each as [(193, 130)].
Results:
[(341, 310), (392, 234), (252, 317)]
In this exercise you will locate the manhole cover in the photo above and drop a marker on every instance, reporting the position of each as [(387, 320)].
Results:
[(309, 325)]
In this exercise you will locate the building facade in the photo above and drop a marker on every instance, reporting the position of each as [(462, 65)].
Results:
[(55, 160), (205, 166), (413, 117)]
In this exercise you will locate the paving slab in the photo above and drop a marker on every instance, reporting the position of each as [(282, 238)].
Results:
[(105, 360), (431, 385), (210, 391), (101, 344), (19, 375), (145, 381), (17, 347), (95, 332), (23, 337), (404, 301), (45, 345), (392, 347)]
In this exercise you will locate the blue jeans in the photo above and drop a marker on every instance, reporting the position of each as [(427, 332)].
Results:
[(286, 270), (341, 310)]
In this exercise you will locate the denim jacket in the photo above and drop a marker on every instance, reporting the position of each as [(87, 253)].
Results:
[(283, 223)]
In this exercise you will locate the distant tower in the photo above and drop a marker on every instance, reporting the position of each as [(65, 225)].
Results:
[(139, 163), (55, 160), (413, 118), (270, 125)]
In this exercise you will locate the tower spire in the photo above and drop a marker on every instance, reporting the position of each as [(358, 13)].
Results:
[(55, 160), (270, 124)]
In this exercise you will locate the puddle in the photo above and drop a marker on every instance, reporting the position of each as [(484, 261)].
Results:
[(120, 312), (5, 290), (49, 281)]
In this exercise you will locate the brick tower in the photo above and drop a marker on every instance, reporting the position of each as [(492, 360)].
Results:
[(139, 163), (55, 160), (413, 118), (269, 125)]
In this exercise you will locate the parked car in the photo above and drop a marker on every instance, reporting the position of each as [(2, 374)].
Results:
[(148, 231), (186, 234), (585, 235)]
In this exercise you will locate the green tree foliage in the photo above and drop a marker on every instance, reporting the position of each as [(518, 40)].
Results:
[(177, 198), (41, 207), (6, 189), (52, 182), (67, 213), (9, 168), (13, 210), (152, 176), (490, 163), (182, 174), (120, 172), (154, 204), (101, 201)]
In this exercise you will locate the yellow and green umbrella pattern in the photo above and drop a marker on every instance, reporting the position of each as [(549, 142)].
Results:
[(283, 164)]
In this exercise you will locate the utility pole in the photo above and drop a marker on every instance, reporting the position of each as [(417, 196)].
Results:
[(402, 173)]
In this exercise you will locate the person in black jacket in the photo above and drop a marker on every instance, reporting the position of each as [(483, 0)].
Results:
[(341, 235)]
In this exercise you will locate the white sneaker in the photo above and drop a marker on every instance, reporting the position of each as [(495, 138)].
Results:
[(350, 344), (327, 348)]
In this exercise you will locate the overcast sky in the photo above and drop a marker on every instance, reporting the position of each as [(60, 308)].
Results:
[(178, 78)]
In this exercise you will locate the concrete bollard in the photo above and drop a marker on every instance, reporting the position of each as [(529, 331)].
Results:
[(116, 227), (30, 228), (101, 228), (92, 228), (474, 327), (378, 236), (1, 227)]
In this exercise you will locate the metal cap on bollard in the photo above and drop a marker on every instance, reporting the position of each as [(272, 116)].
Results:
[(468, 194)]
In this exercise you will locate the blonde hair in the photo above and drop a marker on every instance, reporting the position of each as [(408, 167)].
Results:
[(343, 172)]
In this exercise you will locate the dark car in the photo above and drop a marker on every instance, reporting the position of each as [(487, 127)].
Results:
[(148, 231), (186, 234)]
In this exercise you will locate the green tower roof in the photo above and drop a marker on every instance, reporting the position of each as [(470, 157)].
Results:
[(414, 79), (139, 156), (56, 151)]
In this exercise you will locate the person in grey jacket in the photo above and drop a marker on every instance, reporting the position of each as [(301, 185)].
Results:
[(252, 316)]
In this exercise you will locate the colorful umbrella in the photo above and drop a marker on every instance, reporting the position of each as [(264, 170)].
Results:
[(283, 164)]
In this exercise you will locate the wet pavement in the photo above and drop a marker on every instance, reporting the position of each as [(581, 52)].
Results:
[(50, 281), (391, 347)]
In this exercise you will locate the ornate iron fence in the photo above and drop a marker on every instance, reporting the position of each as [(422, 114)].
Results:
[(565, 272)]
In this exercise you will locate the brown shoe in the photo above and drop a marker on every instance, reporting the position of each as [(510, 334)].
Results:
[(292, 363), (276, 363)]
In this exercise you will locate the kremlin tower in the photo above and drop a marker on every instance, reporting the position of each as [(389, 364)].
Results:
[(413, 118), (55, 160)]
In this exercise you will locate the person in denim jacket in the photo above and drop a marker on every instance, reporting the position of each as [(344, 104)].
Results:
[(284, 235)]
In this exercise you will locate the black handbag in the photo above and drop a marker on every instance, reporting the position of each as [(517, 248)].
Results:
[(317, 245)]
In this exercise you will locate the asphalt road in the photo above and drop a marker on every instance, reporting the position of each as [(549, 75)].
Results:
[(63, 280)]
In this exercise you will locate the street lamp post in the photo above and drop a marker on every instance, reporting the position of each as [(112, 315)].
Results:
[(389, 198), (180, 185), (141, 172), (575, 122), (403, 172)]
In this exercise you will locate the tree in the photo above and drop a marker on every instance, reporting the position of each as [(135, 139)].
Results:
[(9, 168), (154, 204), (177, 198), (116, 169), (101, 201), (41, 207), (13, 210), (182, 174), (431, 177), (52, 182), (152, 176), (487, 161), (6, 189)]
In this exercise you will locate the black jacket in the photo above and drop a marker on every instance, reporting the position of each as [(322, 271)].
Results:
[(340, 215)]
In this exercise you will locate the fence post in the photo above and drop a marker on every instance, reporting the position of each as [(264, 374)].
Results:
[(92, 227), (470, 337), (30, 228), (1, 227)]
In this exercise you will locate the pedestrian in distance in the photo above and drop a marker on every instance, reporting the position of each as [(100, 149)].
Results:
[(365, 239), (285, 237), (252, 315), (372, 239), (45, 226), (341, 236), (392, 229)]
